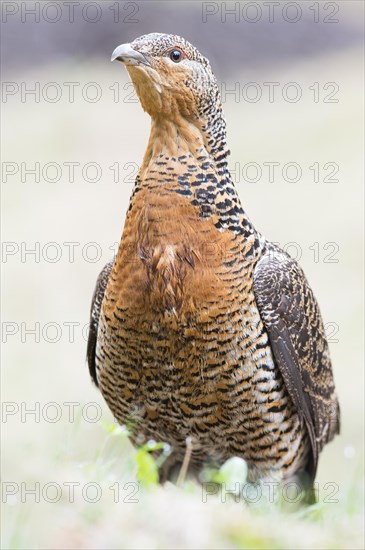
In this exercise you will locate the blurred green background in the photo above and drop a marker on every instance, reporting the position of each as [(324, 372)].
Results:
[(292, 89)]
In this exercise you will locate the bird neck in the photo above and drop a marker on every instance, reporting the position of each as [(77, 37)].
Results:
[(189, 159), (196, 137)]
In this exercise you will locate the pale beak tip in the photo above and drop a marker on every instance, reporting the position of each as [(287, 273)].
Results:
[(116, 53)]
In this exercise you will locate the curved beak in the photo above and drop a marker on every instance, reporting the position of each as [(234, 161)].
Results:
[(127, 55)]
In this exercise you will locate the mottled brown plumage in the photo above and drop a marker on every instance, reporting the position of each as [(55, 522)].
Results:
[(201, 327)]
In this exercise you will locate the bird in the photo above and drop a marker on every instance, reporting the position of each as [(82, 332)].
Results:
[(201, 328)]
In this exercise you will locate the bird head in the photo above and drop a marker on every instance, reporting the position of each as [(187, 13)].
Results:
[(172, 79)]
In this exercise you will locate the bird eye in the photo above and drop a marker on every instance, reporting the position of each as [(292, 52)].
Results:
[(176, 56)]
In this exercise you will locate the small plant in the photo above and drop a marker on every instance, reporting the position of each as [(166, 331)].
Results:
[(148, 462)]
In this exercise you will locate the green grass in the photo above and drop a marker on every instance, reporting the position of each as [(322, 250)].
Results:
[(134, 511)]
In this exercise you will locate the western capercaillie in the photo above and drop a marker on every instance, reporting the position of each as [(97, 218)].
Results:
[(201, 327)]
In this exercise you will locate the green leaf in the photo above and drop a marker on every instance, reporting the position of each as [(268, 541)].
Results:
[(147, 469)]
